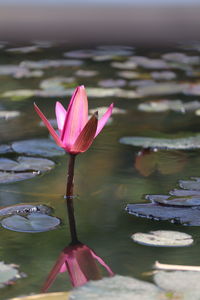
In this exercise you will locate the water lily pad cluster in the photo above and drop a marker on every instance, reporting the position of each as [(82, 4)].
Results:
[(181, 206), (30, 159)]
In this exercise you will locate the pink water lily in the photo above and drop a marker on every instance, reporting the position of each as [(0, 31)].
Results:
[(76, 132), (80, 262)]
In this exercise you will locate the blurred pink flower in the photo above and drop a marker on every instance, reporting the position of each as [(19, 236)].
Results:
[(76, 133), (80, 262)]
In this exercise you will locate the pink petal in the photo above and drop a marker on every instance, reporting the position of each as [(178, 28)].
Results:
[(48, 125), (104, 119), (76, 117), (77, 277), (57, 268), (86, 136), (60, 115), (100, 260)]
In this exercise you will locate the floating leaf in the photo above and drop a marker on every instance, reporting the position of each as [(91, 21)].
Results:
[(86, 73), (117, 287), (41, 147), (24, 50), (149, 63), (24, 209), (112, 83), (46, 63), (49, 296), (17, 95), (165, 105), (166, 200), (26, 164), (12, 177), (164, 75), (190, 184), (178, 281), (33, 223), (192, 142), (162, 89), (57, 83), (128, 74), (5, 114), (127, 65), (181, 58), (142, 83), (163, 238), (183, 193), (5, 149), (8, 273), (184, 216)]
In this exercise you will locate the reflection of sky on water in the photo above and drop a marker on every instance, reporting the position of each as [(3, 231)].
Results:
[(164, 2)]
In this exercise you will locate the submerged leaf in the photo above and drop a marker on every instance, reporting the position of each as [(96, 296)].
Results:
[(33, 223), (163, 238)]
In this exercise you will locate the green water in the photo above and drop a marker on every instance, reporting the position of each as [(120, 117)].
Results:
[(106, 179)]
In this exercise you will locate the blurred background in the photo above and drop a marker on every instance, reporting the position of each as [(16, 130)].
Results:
[(141, 22)]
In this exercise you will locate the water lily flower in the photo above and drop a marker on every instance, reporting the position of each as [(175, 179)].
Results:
[(80, 262), (76, 132)]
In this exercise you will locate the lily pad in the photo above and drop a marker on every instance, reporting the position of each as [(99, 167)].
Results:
[(163, 238), (6, 177), (183, 193), (57, 83), (181, 58), (12, 70), (17, 95), (24, 209), (192, 142), (128, 74), (184, 216), (127, 65), (149, 63), (24, 50), (178, 280), (117, 287), (142, 83), (194, 200), (86, 73), (48, 296), (162, 89), (112, 83), (41, 147), (190, 184), (8, 273), (5, 149), (165, 105), (32, 223), (164, 75), (26, 164), (46, 63), (6, 114)]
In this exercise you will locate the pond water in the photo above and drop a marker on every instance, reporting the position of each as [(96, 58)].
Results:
[(107, 176)]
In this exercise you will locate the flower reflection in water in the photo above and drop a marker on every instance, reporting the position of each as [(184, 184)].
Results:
[(80, 262)]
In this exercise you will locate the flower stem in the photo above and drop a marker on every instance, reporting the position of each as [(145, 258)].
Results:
[(69, 199)]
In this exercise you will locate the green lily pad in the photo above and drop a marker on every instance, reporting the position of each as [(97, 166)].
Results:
[(183, 193), (41, 147), (190, 184), (86, 73), (8, 273), (162, 89), (163, 238), (181, 58), (127, 65), (194, 200), (128, 74), (32, 223), (192, 142), (117, 287), (57, 83), (5, 149), (149, 63), (17, 95)]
